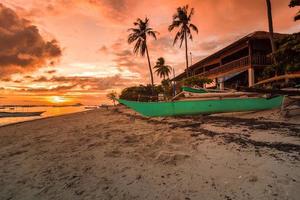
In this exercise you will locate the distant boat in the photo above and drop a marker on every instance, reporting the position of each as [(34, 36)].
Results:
[(203, 106), (20, 114)]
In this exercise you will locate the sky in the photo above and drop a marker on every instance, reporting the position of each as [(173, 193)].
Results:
[(70, 51)]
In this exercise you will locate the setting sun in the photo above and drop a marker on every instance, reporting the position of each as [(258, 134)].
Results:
[(57, 99)]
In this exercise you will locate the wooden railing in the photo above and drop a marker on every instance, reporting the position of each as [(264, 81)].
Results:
[(242, 62), (258, 60)]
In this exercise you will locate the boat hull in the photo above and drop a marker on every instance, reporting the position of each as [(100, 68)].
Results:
[(20, 114), (160, 109)]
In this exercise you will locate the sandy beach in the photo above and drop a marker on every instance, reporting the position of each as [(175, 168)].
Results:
[(116, 154)]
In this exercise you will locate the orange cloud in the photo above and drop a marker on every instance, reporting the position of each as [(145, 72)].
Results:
[(22, 48), (82, 84)]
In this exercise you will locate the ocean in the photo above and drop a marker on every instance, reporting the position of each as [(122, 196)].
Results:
[(48, 112)]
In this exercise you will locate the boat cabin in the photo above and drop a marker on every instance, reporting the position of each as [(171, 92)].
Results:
[(239, 63)]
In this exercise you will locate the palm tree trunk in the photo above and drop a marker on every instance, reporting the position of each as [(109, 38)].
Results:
[(150, 69), (270, 20), (186, 55)]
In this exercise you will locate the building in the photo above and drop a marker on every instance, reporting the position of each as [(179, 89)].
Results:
[(238, 63)]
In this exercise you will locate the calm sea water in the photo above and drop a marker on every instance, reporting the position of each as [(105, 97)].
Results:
[(49, 111)]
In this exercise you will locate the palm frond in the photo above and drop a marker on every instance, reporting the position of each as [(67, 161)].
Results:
[(177, 36), (181, 39), (139, 20), (135, 30), (185, 8), (171, 27), (193, 27), (132, 37), (191, 14), (188, 33), (137, 46), (169, 67), (174, 24), (153, 34), (294, 3), (297, 17), (143, 47)]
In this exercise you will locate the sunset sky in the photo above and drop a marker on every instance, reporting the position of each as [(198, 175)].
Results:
[(79, 49)]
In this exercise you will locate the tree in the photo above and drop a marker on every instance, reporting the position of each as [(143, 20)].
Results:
[(270, 21), (182, 21), (294, 3), (196, 81), (139, 35), (287, 55), (288, 52), (112, 96), (140, 93), (162, 70), (167, 87)]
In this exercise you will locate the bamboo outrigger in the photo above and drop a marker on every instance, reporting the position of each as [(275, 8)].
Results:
[(277, 78)]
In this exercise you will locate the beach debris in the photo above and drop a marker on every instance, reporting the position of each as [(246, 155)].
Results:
[(253, 179), (138, 177)]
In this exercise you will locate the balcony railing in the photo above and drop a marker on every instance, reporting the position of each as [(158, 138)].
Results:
[(228, 66), (239, 63)]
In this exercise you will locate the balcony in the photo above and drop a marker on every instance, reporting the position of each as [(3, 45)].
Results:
[(237, 66)]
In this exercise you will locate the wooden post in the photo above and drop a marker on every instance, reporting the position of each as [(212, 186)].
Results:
[(222, 87), (250, 76)]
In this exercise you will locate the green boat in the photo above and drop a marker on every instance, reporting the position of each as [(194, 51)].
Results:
[(193, 107)]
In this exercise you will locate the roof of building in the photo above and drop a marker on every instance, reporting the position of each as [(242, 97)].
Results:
[(254, 35)]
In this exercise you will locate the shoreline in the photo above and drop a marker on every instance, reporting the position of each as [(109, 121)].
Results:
[(46, 117), (128, 112)]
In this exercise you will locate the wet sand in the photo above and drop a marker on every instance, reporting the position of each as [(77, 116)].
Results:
[(116, 154)]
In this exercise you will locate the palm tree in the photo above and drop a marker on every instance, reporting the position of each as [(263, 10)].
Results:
[(162, 70), (270, 20), (182, 21), (112, 96), (139, 35)]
